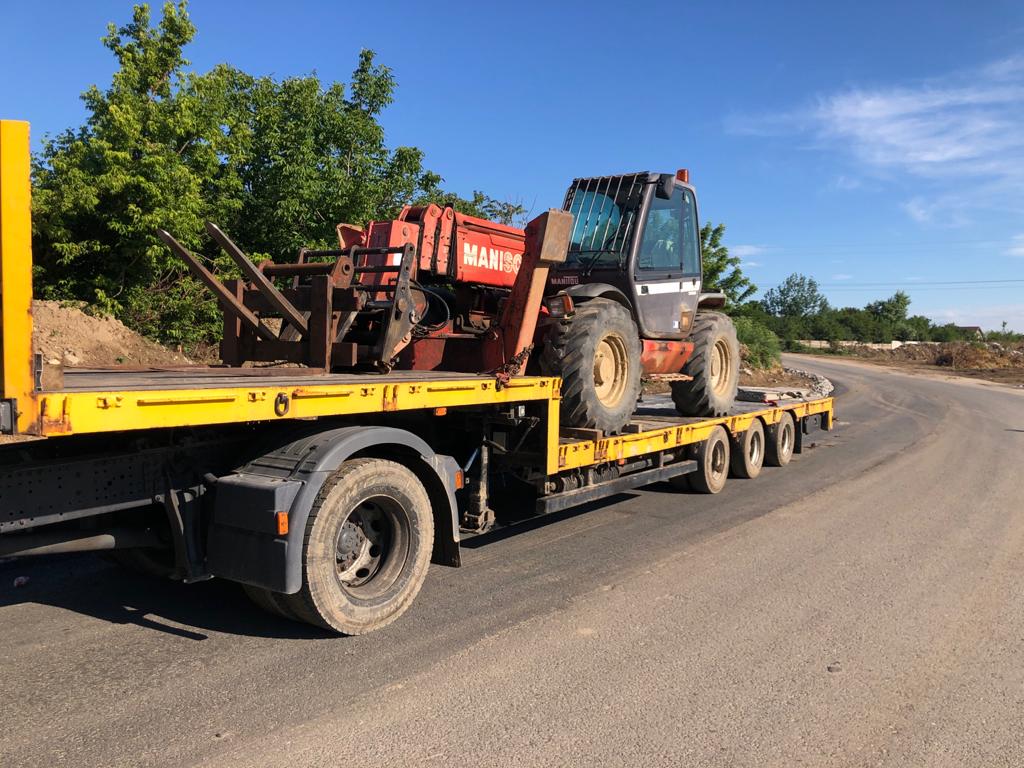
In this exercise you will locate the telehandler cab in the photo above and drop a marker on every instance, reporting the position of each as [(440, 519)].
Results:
[(633, 278)]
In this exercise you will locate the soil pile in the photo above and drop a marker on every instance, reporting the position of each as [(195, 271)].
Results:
[(988, 356), (967, 355), (65, 335)]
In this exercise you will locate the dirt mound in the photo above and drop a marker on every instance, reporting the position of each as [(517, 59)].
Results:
[(65, 335), (918, 353), (974, 355), (979, 356)]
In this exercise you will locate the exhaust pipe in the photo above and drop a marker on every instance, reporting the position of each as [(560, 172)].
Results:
[(62, 542)]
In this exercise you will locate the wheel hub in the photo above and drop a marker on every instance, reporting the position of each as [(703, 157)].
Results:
[(721, 366), (610, 369), (755, 449), (361, 544), (718, 459)]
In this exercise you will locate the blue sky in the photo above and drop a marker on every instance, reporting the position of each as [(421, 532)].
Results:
[(872, 145)]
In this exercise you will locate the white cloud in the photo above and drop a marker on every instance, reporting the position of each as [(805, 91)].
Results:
[(958, 137), (918, 210), (931, 131), (842, 276), (751, 263), (943, 211), (743, 251), (1017, 249), (847, 183), (1006, 69)]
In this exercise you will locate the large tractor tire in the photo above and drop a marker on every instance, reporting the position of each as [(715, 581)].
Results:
[(714, 366), (596, 352)]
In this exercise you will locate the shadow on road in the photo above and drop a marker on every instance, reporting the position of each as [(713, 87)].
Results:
[(88, 584)]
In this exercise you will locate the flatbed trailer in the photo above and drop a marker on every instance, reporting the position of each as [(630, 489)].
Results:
[(326, 495)]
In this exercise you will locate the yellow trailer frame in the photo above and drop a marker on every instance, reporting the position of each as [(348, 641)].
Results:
[(564, 455)]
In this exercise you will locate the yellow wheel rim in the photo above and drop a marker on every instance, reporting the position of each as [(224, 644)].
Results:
[(611, 368), (721, 367)]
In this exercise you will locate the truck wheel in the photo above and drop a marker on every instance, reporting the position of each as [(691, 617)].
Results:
[(145, 561), (596, 352), (272, 602), (714, 366), (366, 549), (748, 451), (780, 441), (712, 457)]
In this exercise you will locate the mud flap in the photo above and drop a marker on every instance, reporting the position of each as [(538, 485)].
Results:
[(244, 544)]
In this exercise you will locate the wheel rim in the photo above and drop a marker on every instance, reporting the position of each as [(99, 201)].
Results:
[(611, 366), (721, 367), (372, 546), (787, 439), (754, 454), (718, 460)]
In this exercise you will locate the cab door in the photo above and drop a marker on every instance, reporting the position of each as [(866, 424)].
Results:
[(666, 271)]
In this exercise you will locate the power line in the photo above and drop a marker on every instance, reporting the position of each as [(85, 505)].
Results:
[(917, 283), (913, 290), (895, 246)]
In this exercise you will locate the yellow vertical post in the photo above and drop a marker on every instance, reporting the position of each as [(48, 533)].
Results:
[(16, 270), (553, 428)]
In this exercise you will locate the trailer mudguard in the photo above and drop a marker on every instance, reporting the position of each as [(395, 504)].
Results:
[(244, 544)]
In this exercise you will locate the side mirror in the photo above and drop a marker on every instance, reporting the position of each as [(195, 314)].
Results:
[(666, 185)]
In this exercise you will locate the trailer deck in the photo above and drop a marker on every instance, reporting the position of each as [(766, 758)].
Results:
[(118, 400), (93, 401)]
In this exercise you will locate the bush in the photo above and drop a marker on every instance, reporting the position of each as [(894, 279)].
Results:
[(763, 348)]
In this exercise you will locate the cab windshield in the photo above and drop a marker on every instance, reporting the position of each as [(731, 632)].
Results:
[(604, 214)]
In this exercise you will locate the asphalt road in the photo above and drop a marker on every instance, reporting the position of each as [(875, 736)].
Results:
[(864, 606)]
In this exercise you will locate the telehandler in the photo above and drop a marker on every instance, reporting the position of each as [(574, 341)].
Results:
[(616, 274)]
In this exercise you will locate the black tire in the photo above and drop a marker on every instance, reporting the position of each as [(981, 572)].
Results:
[(272, 602), (712, 457), (681, 482), (366, 549), (780, 441), (596, 352), (748, 450), (714, 366), (145, 561)]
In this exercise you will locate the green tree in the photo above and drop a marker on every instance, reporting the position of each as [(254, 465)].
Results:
[(276, 163), (722, 271), (827, 326), (921, 328), (892, 310), (484, 206), (797, 296), (102, 190), (947, 332), (762, 345)]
